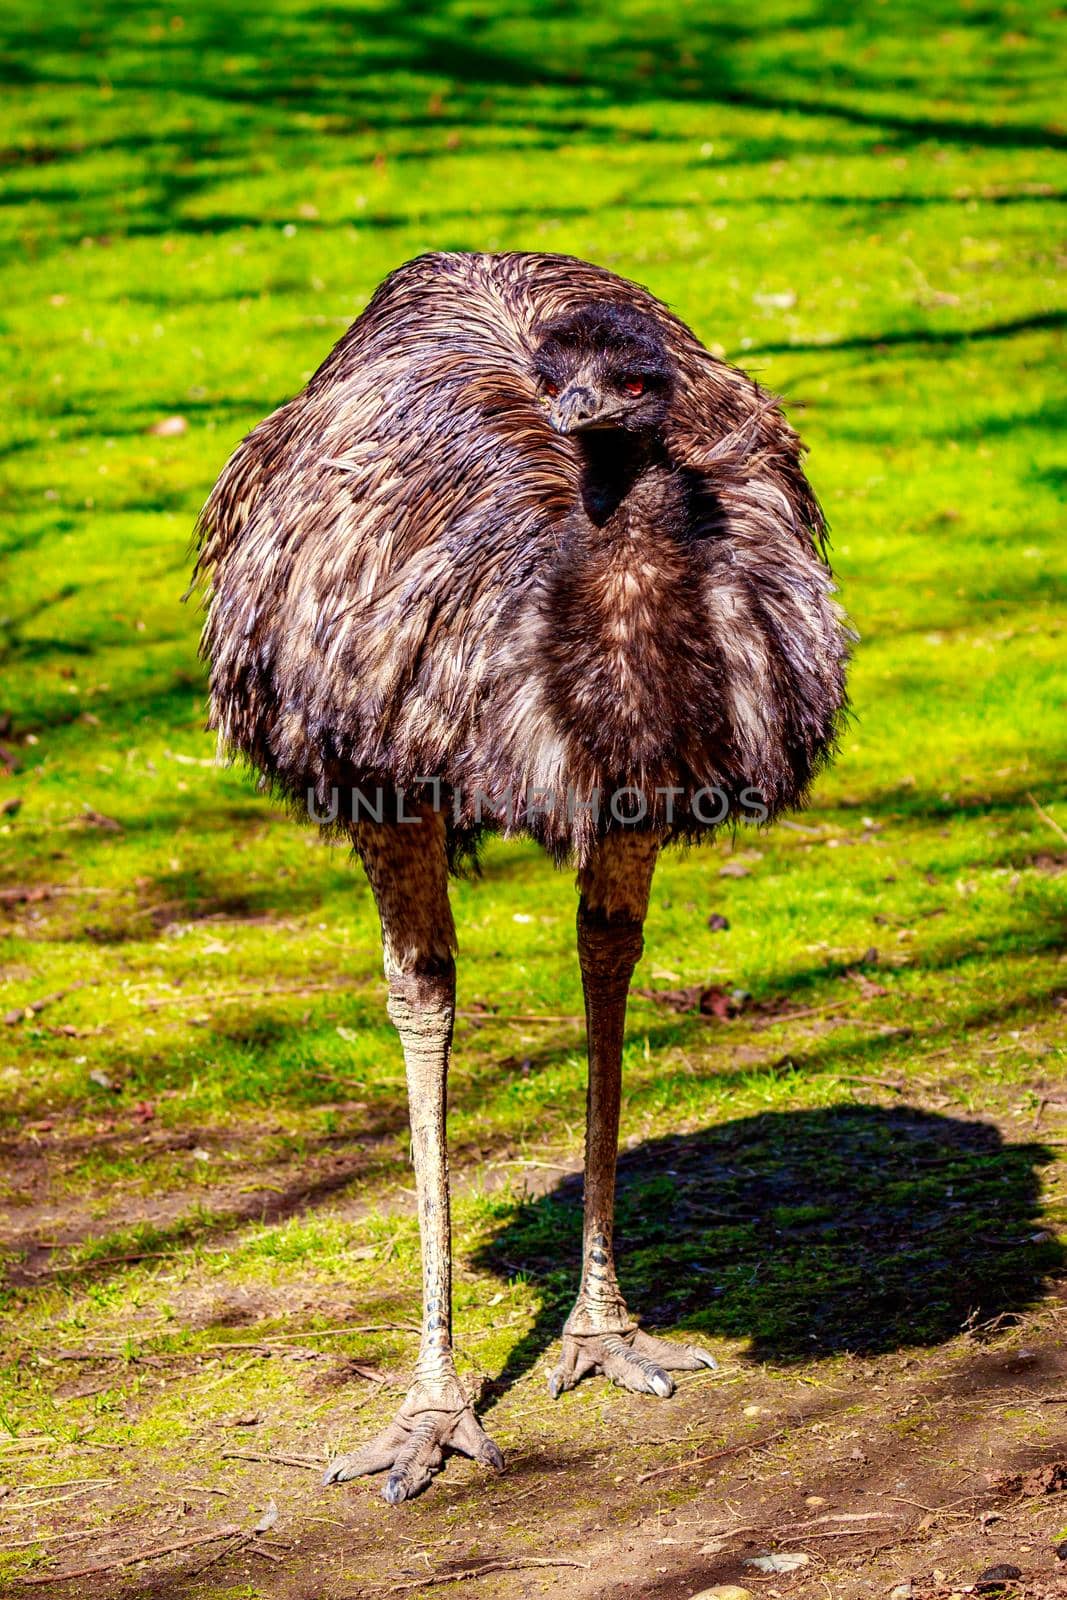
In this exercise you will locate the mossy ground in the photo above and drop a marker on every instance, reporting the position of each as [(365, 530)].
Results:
[(850, 1190)]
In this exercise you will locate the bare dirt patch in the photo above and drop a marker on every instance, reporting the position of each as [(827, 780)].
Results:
[(925, 1466)]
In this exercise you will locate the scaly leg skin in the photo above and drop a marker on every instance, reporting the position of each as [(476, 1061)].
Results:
[(406, 865), (600, 1335)]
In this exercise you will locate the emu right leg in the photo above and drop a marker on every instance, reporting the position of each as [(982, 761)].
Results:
[(407, 867), (600, 1335)]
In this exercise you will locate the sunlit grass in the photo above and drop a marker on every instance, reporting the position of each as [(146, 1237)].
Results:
[(206, 1128)]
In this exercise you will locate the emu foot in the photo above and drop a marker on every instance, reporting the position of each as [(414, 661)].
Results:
[(630, 1358), (435, 1417)]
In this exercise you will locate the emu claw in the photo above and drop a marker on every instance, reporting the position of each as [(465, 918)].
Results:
[(433, 1418), (632, 1360)]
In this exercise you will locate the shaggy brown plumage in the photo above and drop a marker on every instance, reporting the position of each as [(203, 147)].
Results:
[(521, 545), (403, 584)]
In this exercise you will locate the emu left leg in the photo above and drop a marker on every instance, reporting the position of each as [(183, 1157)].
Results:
[(600, 1335), (407, 867)]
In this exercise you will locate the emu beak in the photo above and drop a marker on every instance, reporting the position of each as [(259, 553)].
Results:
[(576, 408)]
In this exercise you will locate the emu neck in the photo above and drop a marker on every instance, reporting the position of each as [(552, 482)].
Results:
[(613, 463)]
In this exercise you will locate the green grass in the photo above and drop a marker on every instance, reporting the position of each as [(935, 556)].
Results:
[(859, 204)]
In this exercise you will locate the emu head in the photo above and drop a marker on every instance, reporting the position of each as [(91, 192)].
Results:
[(604, 368)]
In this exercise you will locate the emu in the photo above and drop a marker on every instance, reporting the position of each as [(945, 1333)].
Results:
[(522, 556)]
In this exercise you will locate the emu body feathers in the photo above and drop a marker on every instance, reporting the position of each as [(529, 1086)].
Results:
[(396, 591)]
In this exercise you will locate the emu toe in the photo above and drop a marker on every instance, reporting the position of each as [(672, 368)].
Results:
[(631, 1359), (412, 1448)]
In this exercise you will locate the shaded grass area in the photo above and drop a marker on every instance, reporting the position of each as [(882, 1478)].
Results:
[(203, 1127), (851, 1228)]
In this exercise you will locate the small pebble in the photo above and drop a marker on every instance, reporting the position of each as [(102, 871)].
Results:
[(723, 1591), (778, 1561), (169, 427), (989, 1581)]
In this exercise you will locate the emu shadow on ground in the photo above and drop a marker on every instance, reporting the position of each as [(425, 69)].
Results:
[(850, 1228)]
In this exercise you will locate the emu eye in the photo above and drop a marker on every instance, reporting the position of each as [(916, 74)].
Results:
[(551, 389), (634, 386)]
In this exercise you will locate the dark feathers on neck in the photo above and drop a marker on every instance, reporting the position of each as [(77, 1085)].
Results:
[(613, 463)]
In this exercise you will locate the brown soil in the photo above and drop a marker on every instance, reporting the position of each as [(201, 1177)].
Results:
[(925, 1468), (921, 1466)]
